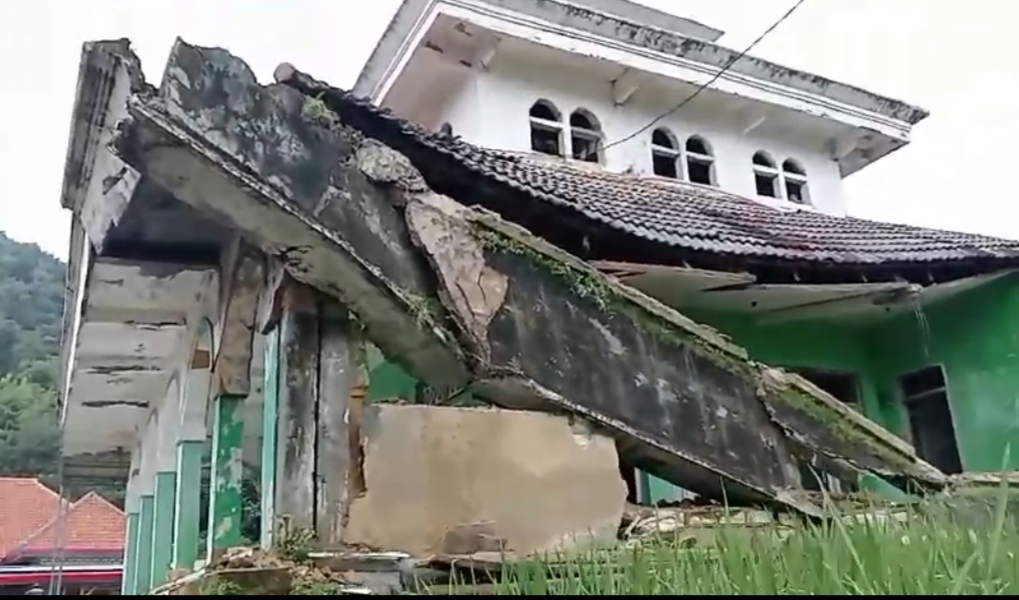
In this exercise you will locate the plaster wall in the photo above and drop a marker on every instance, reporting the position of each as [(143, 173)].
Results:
[(491, 110), (974, 336)]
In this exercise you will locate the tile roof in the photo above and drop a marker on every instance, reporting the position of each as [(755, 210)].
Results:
[(28, 520), (93, 525), (26, 506), (680, 215)]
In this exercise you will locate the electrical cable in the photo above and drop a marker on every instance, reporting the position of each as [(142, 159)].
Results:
[(717, 75)]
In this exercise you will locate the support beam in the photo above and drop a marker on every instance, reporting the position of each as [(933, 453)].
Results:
[(225, 502), (146, 510), (132, 508), (243, 275), (295, 483), (625, 86), (484, 54), (168, 426), (270, 435), (190, 451), (841, 147), (342, 387)]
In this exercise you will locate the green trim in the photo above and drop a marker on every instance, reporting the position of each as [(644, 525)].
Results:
[(162, 527), (270, 433), (143, 558), (225, 499), (129, 581), (187, 509)]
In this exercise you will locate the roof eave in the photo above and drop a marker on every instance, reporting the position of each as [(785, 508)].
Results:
[(102, 63)]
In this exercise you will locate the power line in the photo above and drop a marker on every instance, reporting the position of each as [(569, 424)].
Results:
[(702, 87)]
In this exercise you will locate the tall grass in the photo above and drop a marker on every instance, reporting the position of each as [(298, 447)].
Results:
[(930, 552)]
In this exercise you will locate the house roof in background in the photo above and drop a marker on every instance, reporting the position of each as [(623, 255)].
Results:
[(26, 506), (685, 216), (29, 520), (93, 525)]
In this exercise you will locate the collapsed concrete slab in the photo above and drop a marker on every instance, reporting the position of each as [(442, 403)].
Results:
[(457, 481), (461, 298)]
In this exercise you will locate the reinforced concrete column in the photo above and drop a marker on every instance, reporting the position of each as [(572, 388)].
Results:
[(132, 506), (190, 452), (225, 500), (168, 430), (146, 508), (270, 435)]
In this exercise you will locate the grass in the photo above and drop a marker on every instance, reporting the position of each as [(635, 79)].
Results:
[(928, 553)]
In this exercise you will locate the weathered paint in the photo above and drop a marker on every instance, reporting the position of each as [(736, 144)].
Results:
[(143, 556), (335, 242), (270, 428), (162, 527), (187, 511), (974, 336), (227, 471), (129, 580)]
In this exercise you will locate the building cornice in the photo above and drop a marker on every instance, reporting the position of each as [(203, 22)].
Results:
[(889, 117)]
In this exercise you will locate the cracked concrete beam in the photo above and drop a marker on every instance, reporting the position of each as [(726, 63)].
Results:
[(456, 294)]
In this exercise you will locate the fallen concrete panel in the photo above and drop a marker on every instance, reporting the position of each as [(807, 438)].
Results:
[(459, 297), (458, 481)]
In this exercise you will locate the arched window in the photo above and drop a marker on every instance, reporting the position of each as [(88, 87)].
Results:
[(765, 174), (795, 180), (700, 163), (585, 136), (546, 128), (664, 154), (693, 162)]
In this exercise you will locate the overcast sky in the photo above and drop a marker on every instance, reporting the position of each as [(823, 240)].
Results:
[(950, 57)]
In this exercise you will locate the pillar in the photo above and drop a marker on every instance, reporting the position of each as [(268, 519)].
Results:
[(270, 429), (132, 506), (190, 451), (227, 471), (168, 429), (146, 510)]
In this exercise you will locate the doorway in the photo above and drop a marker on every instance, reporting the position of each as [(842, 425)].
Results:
[(925, 397)]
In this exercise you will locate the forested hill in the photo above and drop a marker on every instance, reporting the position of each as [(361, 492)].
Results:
[(31, 309), (31, 304)]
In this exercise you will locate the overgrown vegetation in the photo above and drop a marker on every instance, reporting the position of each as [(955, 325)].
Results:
[(929, 553)]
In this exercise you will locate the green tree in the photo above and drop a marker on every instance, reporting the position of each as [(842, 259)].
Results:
[(31, 312), (29, 428)]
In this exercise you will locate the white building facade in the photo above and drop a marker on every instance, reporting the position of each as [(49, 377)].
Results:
[(601, 80)]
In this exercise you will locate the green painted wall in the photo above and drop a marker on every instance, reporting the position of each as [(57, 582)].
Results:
[(974, 336)]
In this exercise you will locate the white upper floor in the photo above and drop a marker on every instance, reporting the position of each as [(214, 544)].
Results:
[(602, 83)]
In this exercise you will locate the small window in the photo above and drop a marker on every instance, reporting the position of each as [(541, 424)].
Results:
[(925, 396), (795, 179), (585, 136), (765, 175), (546, 128), (664, 154), (700, 164)]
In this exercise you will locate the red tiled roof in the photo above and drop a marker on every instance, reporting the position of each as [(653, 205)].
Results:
[(29, 520), (93, 524), (26, 506)]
